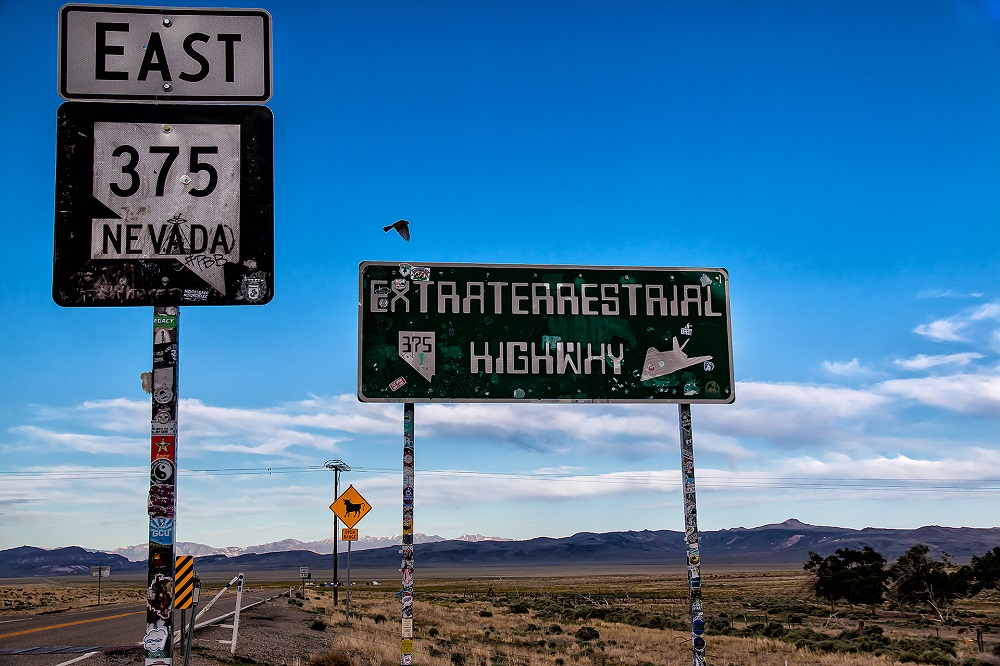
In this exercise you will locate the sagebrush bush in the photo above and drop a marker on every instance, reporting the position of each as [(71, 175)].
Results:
[(332, 658)]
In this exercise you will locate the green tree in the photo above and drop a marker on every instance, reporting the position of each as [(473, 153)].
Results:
[(985, 572), (919, 580), (857, 576)]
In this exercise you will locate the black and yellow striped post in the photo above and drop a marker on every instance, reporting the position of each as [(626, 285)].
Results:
[(183, 582)]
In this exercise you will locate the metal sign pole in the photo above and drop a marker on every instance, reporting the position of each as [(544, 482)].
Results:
[(347, 612), (691, 538), (190, 632), (162, 501), (406, 593)]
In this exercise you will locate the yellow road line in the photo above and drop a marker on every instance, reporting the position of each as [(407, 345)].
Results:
[(67, 624)]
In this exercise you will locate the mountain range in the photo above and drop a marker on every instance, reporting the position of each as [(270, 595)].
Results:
[(138, 553), (780, 546)]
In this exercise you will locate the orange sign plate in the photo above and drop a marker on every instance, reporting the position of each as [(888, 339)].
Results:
[(350, 507)]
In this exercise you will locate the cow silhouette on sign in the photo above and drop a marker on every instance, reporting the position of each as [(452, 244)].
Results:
[(350, 508)]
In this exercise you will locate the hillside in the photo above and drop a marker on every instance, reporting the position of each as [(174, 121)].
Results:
[(780, 545)]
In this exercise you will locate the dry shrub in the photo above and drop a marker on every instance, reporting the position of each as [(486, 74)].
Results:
[(465, 636), (331, 659)]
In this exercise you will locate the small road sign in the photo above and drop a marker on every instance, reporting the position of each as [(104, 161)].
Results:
[(164, 54), (348, 534), (303, 572), (100, 571), (164, 205), (350, 507)]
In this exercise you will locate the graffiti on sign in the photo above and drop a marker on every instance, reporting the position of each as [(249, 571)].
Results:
[(510, 333)]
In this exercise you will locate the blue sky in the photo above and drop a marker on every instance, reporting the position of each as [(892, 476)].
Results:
[(840, 160)]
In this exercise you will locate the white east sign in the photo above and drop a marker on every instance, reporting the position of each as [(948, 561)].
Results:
[(164, 54)]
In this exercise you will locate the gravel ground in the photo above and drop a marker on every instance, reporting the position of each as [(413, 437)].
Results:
[(272, 633)]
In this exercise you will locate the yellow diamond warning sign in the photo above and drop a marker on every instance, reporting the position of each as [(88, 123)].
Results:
[(350, 507)]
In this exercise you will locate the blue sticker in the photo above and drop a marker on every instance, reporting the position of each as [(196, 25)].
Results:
[(161, 530)]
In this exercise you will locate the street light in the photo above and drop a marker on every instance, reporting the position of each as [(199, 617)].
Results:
[(337, 466)]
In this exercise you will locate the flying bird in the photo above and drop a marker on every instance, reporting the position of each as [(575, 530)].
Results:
[(402, 226)]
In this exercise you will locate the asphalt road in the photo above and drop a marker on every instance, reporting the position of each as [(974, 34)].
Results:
[(63, 638)]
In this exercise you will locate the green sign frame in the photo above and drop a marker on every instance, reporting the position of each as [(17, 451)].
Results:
[(434, 332)]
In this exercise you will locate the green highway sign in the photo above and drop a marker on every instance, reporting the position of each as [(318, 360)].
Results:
[(513, 333)]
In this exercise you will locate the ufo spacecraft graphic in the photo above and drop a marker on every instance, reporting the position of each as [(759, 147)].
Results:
[(659, 363)]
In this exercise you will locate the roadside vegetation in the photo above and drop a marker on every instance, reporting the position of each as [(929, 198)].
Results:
[(752, 619), (38, 598), (851, 608)]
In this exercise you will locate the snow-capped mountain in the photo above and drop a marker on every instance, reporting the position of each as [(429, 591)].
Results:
[(139, 552)]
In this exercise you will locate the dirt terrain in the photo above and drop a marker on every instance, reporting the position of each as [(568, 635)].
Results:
[(273, 633), (627, 620), (277, 632)]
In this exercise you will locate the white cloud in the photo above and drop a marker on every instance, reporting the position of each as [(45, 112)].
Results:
[(630, 432), (966, 326), (923, 361), (960, 465), (793, 415), (942, 330), (947, 293), (79, 442), (855, 431), (977, 394), (852, 368), (783, 414), (985, 312), (454, 488)]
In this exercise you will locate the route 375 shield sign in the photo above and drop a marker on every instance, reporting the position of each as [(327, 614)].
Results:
[(164, 205)]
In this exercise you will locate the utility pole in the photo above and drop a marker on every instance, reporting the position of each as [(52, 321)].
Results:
[(337, 466)]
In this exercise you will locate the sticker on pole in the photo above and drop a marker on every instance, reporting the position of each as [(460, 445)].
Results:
[(350, 507)]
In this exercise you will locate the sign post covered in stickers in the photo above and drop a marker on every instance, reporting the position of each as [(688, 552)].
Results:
[(163, 200), (162, 502), (406, 592), (431, 332)]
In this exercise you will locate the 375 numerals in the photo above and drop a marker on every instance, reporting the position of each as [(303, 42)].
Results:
[(416, 344), (130, 181)]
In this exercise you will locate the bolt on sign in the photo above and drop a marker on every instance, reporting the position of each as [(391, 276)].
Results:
[(164, 54), (163, 205), (350, 507), (515, 333)]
